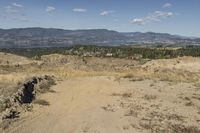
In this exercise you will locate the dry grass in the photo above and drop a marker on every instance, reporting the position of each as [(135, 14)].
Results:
[(150, 97), (4, 104), (166, 123), (41, 102), (124, 95), (197, 85), (69, 66), (189, 103), (45, 86), (62, 67), (13, 78), (129, 75), (127, 95), (4, 125), (132, 112), (10, 59), (179, 128), (133, 77)]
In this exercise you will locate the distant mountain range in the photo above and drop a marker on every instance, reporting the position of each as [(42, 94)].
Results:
[(43, 37)]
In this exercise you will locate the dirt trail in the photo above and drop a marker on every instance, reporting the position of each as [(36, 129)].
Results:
[(106, 105), (75, 107)]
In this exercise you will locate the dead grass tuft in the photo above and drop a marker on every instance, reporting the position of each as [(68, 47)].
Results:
[(45, 86), (127, 95), (41, 102), (150, 97), (128, 76), (132, 112), (124, 95), (179, 128), (4, 104), (189, 103), (133, 77)]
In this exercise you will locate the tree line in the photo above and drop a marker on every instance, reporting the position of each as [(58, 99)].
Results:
[(102, 51)]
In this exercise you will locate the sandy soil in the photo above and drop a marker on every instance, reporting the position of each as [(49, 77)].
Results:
[(181, 63), (160, 96), (111, 105), (10, 59)]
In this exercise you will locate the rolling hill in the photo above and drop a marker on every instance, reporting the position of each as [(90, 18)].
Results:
[(49, 37)]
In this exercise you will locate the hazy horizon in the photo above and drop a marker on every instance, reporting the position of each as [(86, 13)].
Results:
[(103, 29)]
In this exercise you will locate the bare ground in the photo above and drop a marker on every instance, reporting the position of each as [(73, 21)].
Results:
[(107, 95), (111, 105)]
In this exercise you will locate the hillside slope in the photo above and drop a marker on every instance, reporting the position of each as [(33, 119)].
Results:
[(41, 37)]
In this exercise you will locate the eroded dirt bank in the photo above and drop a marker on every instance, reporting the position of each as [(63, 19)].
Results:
[(111, 105)]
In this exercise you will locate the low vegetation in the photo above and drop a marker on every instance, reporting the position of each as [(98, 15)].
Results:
[(41, 102), (117, 52), (144, 88)]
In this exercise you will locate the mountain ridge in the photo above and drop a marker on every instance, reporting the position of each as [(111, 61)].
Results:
[(52, 37)]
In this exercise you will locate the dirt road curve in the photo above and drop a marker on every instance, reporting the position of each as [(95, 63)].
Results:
[(75, 107)]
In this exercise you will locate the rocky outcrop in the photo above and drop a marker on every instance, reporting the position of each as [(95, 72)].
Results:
[(26, 94)]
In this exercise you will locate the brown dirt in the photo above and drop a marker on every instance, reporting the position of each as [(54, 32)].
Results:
[(104, 95), (105, 105)]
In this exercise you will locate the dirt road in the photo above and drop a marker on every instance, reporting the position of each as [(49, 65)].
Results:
[(75, 107), (105, 105)]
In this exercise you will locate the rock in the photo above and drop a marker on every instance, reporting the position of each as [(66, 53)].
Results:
[(25, 95), (10, 113)]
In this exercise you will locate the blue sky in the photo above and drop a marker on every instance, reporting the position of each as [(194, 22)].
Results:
[(165, 16)]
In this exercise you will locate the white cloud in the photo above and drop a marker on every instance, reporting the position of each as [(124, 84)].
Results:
[(138, 21), (14, 12), (79, 10), (50, 9), (17, 5), (167, 5), (161, 14), (152, 17), (106, 13), (11, 9)]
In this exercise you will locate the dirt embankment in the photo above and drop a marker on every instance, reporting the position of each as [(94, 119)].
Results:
[(19, 101)]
